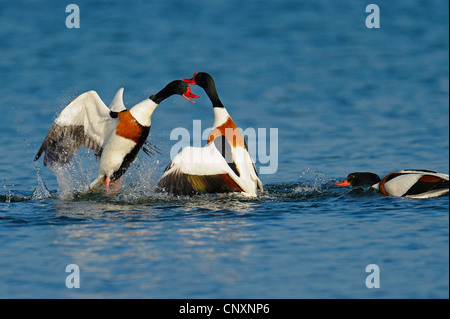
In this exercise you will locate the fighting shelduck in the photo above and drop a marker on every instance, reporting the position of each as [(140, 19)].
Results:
[(406, 183), (115, 134), (223, 165)]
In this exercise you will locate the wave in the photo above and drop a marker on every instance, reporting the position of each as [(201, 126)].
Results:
[(139, 187), (140, 181)]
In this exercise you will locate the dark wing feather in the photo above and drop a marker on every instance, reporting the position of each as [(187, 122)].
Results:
[(62, 142), (178, 183), (150, 149), (225, 149), (427, 183)]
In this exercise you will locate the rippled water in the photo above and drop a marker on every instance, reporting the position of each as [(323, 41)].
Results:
[(343, 98)]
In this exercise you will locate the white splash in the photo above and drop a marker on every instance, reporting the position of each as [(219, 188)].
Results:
[(41, 191), (314, 182)]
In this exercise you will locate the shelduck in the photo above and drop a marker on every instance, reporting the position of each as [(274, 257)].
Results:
[(114, 135), (223, 165), (406, 183)]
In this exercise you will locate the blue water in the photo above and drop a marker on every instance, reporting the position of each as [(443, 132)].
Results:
[(343, 97)]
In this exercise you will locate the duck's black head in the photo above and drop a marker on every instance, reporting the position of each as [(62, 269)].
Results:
[(175, 87), (205, 81), (359, 179), (201, 79)]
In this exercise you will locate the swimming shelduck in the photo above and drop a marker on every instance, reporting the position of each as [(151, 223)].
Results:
[(115, 135), (223, 165), (406, 183)]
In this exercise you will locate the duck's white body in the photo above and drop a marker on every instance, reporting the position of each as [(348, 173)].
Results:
[(414, 184), (223, 165)]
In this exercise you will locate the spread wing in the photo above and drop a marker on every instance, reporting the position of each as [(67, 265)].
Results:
[(86, 121), (197, 170), (116, 104)]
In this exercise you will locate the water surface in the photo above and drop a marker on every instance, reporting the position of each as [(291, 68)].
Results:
[(343, 97)]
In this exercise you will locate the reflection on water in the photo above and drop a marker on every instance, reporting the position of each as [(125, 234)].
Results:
[(195, 236), (141, 243)]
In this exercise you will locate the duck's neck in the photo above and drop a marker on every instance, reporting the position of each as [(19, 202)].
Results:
[(216, 101), (211, 91), (220, 116), (143, 111), (161, 95)]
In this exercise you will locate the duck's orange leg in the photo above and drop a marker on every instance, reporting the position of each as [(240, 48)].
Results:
[(108, 181), (117, 184)]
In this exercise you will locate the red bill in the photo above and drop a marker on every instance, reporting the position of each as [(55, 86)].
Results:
[(188, 95), (191, 81)]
